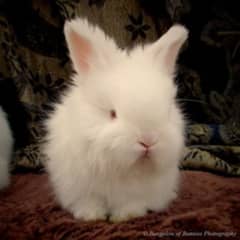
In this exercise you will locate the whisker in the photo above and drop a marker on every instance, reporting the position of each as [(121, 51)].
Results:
[(192, 100)]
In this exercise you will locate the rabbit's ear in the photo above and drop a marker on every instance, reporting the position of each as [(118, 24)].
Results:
[(166, 49), (89, 48)]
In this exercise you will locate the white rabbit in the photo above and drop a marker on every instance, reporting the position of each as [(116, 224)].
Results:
[(115, 140), (6, 144)]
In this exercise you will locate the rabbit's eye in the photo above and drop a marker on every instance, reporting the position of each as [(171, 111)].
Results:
[(113, 114)]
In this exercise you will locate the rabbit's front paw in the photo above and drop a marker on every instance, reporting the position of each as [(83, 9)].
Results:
[(127, 213), (90, 213), (163, 203)]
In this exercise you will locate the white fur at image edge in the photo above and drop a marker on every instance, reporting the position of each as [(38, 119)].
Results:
[(6, 142)]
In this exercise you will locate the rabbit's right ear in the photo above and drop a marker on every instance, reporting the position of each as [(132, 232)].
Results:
[(88, 46), (166, 49)]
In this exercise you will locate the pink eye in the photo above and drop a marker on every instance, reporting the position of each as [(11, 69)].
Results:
[(113, 114)]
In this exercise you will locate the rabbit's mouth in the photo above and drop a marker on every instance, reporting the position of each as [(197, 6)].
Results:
[(146, 153)]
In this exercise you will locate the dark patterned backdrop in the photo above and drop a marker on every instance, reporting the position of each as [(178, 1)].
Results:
[(35, 68)]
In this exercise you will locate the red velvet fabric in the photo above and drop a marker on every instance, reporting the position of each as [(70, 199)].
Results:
[(207, 205)]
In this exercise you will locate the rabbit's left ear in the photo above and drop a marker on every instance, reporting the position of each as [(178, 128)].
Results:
[(88, 46), (166, 49)]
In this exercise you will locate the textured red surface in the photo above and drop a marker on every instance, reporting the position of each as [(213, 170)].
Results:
[(207, 202)]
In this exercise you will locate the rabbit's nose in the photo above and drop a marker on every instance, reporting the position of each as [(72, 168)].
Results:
[(148, 140), (146, 146)]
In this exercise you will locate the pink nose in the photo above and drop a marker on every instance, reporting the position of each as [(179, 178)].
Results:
[(145, 145), (148, 140)]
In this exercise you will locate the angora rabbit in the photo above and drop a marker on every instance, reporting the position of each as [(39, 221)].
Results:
[(115, 140), (6, 144)]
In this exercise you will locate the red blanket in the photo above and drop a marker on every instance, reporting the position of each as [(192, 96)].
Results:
[(208, 207)]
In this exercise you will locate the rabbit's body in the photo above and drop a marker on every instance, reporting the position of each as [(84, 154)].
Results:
[(115, 140), (6, 144)]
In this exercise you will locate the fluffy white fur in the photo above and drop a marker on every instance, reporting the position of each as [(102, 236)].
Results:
[(96, 162), (6, 142)]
